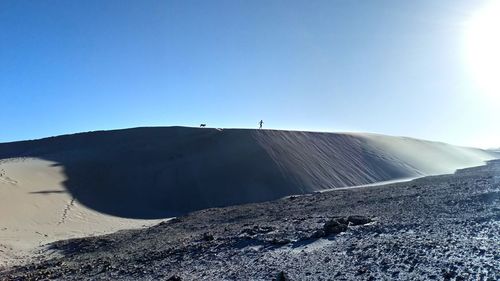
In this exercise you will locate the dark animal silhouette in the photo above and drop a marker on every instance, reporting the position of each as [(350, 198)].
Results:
[(203, 125)]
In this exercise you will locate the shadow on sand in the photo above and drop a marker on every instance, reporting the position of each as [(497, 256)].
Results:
[(151, 173)]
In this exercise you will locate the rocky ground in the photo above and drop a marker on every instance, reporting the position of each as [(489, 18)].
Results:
[(434, 228)]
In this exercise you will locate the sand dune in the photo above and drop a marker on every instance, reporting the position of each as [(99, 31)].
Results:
[(91, 183), (159, 172)]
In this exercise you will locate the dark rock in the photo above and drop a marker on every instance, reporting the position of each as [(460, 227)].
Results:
[(175, 220), (208, 237), (174, 278), (282, 241), (265, 229), (249, 231), (358, 220), (447, 275), (282, 276), (361, 271), (256, 230), (334, 227), (318, 234), (342, 220)]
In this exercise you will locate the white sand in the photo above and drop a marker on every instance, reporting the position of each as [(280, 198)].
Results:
[(35, 209)]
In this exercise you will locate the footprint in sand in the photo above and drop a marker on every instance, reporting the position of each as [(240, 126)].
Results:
[(8, 180), (5, 178), (41, 234)]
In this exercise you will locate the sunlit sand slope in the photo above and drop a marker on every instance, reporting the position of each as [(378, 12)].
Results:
[(36, 208)]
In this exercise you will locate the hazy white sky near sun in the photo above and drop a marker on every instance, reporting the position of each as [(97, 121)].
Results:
[(426, 69)]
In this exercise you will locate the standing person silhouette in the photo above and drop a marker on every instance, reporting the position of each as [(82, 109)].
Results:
[(260, 124)]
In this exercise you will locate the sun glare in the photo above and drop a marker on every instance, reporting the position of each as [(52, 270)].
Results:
[(482, 48)]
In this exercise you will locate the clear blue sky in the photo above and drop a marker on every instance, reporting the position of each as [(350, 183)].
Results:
[(386, 66)]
